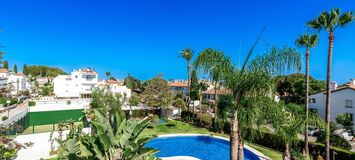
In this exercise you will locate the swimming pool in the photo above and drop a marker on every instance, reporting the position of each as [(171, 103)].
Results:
[(201, 147)]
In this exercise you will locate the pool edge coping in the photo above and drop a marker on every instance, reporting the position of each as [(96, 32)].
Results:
[(258, 153)]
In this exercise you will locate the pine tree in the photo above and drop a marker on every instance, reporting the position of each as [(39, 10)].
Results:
[(15, 69)]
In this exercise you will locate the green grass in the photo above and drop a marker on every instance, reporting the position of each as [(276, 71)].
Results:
[(43, 128), (177, 127), (273, 154)]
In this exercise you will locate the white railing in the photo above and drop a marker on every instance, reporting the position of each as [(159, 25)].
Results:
[(17, 116)]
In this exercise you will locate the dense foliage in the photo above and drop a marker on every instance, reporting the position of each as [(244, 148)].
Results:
[(133, 83), (43, 71), (345, 120), (292, 88), (157, 93), (108, 141)]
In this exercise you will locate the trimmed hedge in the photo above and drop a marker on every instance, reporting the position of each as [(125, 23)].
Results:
[(4, 118), (31, 103)]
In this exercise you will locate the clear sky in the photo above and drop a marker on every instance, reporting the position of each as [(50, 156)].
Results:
[(144, 37)]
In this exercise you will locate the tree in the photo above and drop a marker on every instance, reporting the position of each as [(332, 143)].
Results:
[(15, 68), (6, 64), (157, 93), (345, 120), (187, 54), (24, 70), (214, 64), (133, 83), (108, 104), (249, 83), (292, 88), (133, 101), (329, 21), (108, 75), (307, 41), (44, 71), (120, 140)]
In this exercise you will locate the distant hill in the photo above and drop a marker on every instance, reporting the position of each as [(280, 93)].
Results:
[(43, 71)]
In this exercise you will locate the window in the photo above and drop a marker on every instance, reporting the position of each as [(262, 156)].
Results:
[(349, 103), (312, 100)]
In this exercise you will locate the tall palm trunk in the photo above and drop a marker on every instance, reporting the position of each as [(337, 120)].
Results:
[(287, 154), (240, 147), (188, 83), (234, 135), (200, 94), (327, 111), (215, 101), (306, 150)]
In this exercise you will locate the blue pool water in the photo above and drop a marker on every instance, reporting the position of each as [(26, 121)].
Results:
[(202, 147)]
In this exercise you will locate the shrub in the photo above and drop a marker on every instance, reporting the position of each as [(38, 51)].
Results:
[(68, 102), (4, 118), (31, 103), (337, 141)]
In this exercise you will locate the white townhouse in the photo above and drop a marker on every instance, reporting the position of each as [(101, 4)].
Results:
[(118, 87), (17, 83), (79, 84), (342, 101), (114, 86), (4, 76), (179, 86)]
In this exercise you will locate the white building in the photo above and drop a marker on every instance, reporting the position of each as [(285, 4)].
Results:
[(114, 86), (179, 86), (4, 76), (79, 84), (118, 87), (341, 102), (17, 83)]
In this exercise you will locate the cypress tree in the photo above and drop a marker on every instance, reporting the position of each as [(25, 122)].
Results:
[(6, 64), (15, 68)]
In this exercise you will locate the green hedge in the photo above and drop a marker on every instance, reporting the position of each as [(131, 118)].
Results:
[(31, 103), (53, 117)]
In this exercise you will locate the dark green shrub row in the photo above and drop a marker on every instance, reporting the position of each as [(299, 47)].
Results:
[(31, 103), (202, 120)]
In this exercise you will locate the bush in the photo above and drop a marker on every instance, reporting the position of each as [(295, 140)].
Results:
[(68, 102), (4, 118), (31, 103), (336, 141)]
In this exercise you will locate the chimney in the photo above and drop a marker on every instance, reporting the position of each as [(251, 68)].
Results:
[(333, 86), (352, 81)]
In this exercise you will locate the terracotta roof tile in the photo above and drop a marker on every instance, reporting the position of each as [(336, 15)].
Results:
[(178, 84), (4, 70)]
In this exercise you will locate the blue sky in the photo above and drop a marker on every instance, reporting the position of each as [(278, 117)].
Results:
[(144, 37)]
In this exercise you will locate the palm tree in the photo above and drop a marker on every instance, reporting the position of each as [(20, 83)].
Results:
[(248, 83), (215, 64), (307, 41), (329, 21), (187, 54)]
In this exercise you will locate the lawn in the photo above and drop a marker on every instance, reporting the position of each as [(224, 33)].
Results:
[(175, 127), (43, 128)]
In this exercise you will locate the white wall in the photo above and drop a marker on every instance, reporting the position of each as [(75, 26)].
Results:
[(337, 103)]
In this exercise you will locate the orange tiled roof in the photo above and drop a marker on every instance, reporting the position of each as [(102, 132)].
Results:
[(19, 74), (112, 81), (178, 84), (4, 70)]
